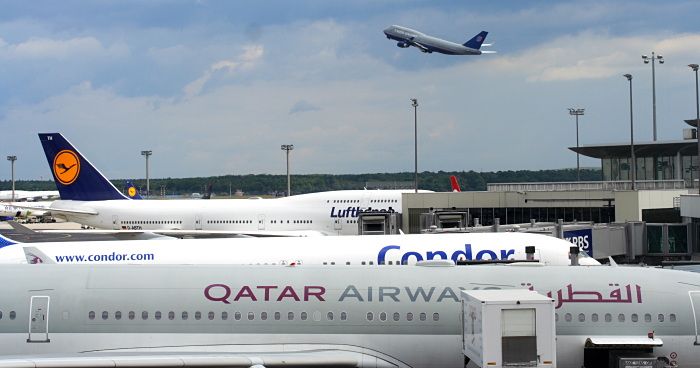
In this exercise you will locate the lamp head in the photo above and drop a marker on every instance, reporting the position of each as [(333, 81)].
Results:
[(415, 102), (628, 76), (694, 66)]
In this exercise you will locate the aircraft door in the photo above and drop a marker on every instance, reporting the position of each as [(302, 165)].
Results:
[(39, 319), (198, 222), (695, 304), (261, 222), (115, 222)]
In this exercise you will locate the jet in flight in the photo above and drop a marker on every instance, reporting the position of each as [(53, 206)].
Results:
[(337, 250), (88, 198), (408, 37), (343, 316)]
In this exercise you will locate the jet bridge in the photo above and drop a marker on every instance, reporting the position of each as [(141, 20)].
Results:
[(378, 222)]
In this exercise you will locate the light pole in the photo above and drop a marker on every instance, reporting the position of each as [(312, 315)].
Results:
[(12, 159), (577, 113), (148, 182), (288, 147), (415, 141), (653, 83), (634, 160), (697, 113)]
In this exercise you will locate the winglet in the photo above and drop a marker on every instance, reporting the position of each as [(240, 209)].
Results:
[(76, 178), (35, 256), (475, 43), (6, 241)]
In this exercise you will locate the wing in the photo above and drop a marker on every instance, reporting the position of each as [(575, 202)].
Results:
[(321, 358), (418, 46), (54, 211)]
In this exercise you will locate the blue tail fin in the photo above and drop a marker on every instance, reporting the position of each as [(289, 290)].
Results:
[(475, 43), (131, 191), (75, 177)]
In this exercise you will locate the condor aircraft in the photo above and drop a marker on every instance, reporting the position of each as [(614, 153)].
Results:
[(337, 250), (408, 37), (88, 198), (344, 316)]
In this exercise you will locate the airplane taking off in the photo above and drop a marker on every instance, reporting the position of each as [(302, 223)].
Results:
[(337, 250), (346, 316), (88, 198), (408, 37)]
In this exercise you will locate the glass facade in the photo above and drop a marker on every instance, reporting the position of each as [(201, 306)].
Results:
[(651, 168)]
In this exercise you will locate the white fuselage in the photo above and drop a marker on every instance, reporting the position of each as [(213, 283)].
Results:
[(353, 250), (331, 213), (404, 316)]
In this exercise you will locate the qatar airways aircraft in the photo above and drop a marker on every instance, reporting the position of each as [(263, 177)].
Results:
[(320, 316), (88, 198), (337, 250)]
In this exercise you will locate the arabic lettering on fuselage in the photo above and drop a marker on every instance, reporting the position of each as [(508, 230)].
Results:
[(228, 294)]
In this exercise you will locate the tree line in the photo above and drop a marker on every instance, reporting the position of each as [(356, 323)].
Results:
[(266, 184)]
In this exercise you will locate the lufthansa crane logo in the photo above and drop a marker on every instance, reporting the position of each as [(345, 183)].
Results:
[(66, 167), (132, 191)]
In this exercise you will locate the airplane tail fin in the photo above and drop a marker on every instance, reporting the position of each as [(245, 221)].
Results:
[(35, 256), (207, 193), (455, 185), (131, 191), (75, 177), (475, 43)]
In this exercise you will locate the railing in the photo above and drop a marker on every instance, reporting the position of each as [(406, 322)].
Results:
[(587, 185)]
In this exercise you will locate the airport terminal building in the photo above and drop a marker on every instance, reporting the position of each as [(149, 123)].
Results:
[(656, 216)]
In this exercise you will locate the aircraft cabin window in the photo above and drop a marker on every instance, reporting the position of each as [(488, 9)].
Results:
[(118, 315), (594, 317), (224, 316), (661, 317), (0, 314), (382, 316), (397, 316), (184, 316), (409, 316), (556, 317), (608, 317), (647, 317), (237, 316), (343, 316), (171, 315), (370, 316), (672, 317), (132, 315), (621, 317), (251, 316), (13, 314), (581, 317), (303, 316), (634, 317), (157, 315), (290, 316), (436, 317), (329, 316), (263, 316), (91, 315), (144, 315), (197, 315), (567, 317), (422, 316)]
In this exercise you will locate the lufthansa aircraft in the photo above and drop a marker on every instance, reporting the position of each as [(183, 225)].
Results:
[(408, 37), (337, 250), (321, 316), (88, 198)]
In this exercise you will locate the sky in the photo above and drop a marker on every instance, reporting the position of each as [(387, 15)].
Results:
[(216, 87)]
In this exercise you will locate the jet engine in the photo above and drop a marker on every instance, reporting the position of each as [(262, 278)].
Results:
[(402, 45)]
